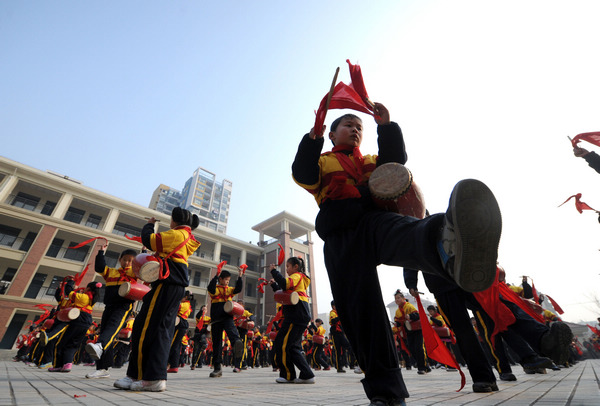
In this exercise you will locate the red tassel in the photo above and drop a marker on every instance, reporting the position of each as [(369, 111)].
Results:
[(243, 267), (281, 255), (220, 267)]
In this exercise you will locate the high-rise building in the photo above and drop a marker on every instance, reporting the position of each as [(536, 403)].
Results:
[(43, 214), (165, 199)]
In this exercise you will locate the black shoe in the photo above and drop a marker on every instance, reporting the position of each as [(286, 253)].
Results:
[(536, 362), (378, 402), (484, 387), (507, 376), (556, 342), (470, 236), (341, 371), (408, 368), (421, 372), (217, 373)]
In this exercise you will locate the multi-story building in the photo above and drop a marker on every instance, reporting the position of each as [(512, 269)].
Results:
[(209, 199), (165, 199), (42, 214)]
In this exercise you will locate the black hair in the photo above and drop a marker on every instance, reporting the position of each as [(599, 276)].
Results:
[(398, 293), (297, 261), (184, 217), (332, 303), (225, 274), (128, 252), (94, 287), (338, 120), (431, 307), (319, 320)]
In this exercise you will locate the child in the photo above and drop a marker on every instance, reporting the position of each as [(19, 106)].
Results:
[(287, 347), (200, 334), (115, 313), (319, 359), (221, 321), (406, 312), (73, 336), (155, 323), (461, 244), (185, 308)]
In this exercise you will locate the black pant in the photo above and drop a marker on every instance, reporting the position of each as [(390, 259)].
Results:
[(416, 347), (243, 333), (453, 306), (153, 331), (341, 348), (200, 345), (216, 331), (70, 341), (288, 351), (175, 351), (351, 258), (114, 318), (319, 358)]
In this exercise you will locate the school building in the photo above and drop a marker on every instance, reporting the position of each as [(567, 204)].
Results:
[(42, 214)]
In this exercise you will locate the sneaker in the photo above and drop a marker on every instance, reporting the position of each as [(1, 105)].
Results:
[(470, 236), (484, 387), (341, 371), (283, 380), (238, 349), (309, 380), (67, 367), (236, 370), (45, 366), (149, 386), (507, 376), (421, 372), (327, 369), (172, 370), (99, 373), (556, 342), (191, 367), (217, 373), (357, 370), (124, 383), (95, 350), (55, 369), (536, 362)]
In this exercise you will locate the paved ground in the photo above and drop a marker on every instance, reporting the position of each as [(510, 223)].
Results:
[(23, 385)]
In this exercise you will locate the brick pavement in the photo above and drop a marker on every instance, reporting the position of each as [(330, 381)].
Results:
[(23, 385)]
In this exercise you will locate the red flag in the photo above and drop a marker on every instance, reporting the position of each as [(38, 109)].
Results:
[(344, 97), (489, 300), (357, 82), (579, 205), (594, 330), (243, 267), (592, 138), (281, 257), (508, 294), (434, 345), (536, 297), (555, 305), (220, 267)]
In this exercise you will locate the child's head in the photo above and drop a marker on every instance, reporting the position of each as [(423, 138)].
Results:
[(318, 322), (294, 264), (333, 304), (224, 278), (399, 298), (432, 310), (346, 130), (126, 258), (93, 288), (183, 217)]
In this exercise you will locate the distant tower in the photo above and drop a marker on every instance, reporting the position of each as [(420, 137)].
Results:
[(209, 199), (164, 199)]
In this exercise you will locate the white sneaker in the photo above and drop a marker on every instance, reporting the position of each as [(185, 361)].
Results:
[(149, 386), (99, 373), (124, 383), (283, 380), (95, 350), (357, 370), (309, 380)]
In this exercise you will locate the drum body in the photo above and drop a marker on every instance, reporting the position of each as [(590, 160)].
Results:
[(68, 313), (412, 325), (133, 291), (443, 332), (286, 297), (247, 324), (233, 308), (250, 334), (273, 335), (146, 267), (318, 339), (48, 323), (125, 333), (393, 189)]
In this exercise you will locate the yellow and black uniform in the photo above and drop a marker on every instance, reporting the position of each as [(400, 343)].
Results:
[(200, 335), (61, 294), (222, 321), (414, 335), (74, 335), (319, 359), (185, 308), (153, 327), (243, 332), (287, 346), (116, 310), (340, 343)]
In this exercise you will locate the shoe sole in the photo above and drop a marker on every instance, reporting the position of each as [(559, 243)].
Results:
[(91, 352), (564, 336), (477, 225)]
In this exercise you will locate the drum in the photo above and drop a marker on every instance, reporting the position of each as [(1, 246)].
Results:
[(273, 335), (177, 320), (233, 308), (393, 189), (250, 334), (125, 333), (146, 267), (68, 313), (443, 332), (48, 323), (286, 297), (247, 325), (133, 291), (318, 339), (412, 325)]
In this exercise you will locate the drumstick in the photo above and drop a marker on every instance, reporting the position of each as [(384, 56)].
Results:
[(148, 218), (330, 95)]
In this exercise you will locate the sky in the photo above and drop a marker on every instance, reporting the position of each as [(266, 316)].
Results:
[(124, 96)]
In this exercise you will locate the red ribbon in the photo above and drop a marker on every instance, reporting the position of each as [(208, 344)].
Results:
[(555, 305), (281, 255), (220, 267), (243, 267), (86, 242), (261, 285), (579, 205)]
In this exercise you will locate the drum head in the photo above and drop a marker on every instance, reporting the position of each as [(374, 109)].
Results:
[(390, 181), (124, 289), (149, 272)]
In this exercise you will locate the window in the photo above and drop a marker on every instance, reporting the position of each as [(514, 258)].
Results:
[(48, 208), (56, 280), (122, 229), (25, 201), (35, 285), (226, 257), (93, 221), (74, 215), (197, 278), (8, 235), (28, 241), (55, 247), (250, 289), (112, 259), (77, 254), (9, 274)]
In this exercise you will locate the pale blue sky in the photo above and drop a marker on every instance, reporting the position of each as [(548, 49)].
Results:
[(127, 95)]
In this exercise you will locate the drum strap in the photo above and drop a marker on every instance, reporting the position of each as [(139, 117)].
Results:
[(164, 272), (355, 170)]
